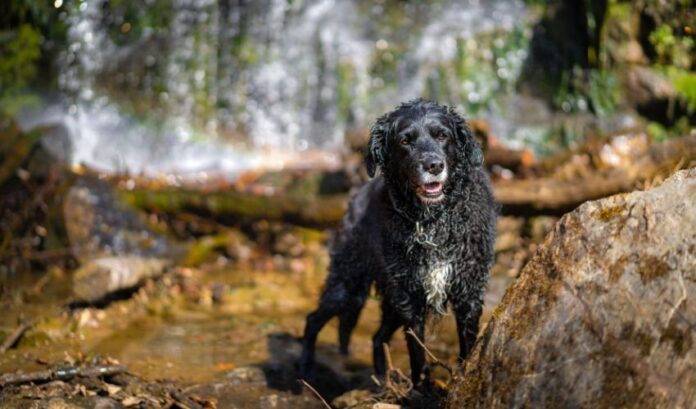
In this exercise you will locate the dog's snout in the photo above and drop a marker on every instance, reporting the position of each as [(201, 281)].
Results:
[(433, 165)]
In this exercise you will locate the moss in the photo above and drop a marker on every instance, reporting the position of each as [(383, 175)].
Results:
[(620, 386), (607, 213), (681, 339), (651, 267), (640, 339), (616, 270), (532, 296), (345, 84)]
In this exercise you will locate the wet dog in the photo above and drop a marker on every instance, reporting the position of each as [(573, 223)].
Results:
[(422, 231)]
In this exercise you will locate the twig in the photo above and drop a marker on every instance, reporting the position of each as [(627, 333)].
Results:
[(15, 336), (314, 391), (375, 380), (49, 254), (430, 354), (37, 288), (403, 386), (387, 355), (62, 374)]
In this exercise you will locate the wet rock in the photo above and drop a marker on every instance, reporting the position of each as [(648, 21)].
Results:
[(563, 39), (100, 277), (602, 316), (644, 85), (621, 39), (233, 396), (246, 374), (355, 399), (99, 224), (653, 95)]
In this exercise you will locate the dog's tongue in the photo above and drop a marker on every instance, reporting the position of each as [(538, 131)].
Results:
[(434, 187)]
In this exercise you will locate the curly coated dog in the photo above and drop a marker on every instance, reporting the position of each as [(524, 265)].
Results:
[(423, 231)]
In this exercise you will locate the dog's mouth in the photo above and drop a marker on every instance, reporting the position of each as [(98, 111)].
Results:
[(431, 192)]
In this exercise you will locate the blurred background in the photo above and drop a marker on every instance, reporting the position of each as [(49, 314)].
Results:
[(171, 170)]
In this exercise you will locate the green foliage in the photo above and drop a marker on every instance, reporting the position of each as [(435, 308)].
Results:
[(345, 84), (671, 48), (483, 68), (656, 131), (21, 50), (24, 54), (130, 20), (597, 90), (603, 91), (384, 63), (659, 132), (685, 83)]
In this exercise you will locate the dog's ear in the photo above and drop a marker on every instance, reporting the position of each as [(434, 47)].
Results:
[(465, 140), (376, 148), (475, 154)]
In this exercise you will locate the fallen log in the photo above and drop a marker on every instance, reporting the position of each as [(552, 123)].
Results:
[(551, 195), (308, 208), (517, 160), (495, 153)]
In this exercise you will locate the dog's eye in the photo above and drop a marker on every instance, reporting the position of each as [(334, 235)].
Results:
[(405, 142), (441, 137)]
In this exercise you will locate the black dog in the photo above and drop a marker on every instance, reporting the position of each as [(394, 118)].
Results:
[(423, 231)]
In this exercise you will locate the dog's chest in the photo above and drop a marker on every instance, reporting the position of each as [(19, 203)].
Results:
[(427, 254), (435, 278)]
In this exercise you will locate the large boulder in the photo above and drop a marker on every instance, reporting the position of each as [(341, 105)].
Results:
[(602, 316)]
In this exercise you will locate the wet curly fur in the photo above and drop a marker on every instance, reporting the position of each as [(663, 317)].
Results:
[(422, 231)]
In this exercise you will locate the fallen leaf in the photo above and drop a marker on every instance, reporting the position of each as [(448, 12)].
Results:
[(112, 389), (224, 366), (131, 401)]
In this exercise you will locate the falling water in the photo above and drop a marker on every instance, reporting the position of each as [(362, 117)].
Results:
[(189, 85)]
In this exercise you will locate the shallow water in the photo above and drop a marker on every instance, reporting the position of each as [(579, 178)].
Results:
[(248, 338)]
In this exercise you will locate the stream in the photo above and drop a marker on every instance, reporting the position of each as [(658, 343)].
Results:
[(217, 330)]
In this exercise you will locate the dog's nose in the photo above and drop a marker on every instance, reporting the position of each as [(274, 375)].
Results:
[(433, 166)]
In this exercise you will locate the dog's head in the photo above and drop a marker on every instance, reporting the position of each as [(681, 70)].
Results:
[(423, 145)]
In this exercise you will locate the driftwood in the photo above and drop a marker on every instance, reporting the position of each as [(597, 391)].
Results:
[(61, 374), (558, 195)]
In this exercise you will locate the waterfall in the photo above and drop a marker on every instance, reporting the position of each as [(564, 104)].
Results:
[(188, 85)]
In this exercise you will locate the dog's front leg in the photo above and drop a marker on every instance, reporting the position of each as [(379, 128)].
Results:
[(390, 323), (416, 353), (467, 315)]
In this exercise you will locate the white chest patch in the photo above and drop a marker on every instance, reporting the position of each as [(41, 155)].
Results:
[(435, 282)]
